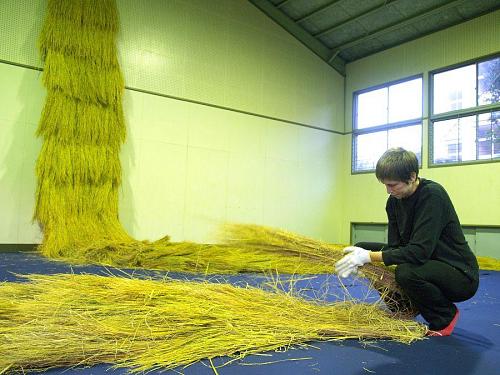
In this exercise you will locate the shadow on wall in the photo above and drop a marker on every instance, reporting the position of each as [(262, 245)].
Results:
[(18, 176), (127, 159)]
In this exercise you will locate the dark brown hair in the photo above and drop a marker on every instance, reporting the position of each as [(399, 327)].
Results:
[(396, 164)]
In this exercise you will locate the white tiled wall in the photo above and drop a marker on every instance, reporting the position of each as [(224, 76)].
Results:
[(21, 99), (195, 167)]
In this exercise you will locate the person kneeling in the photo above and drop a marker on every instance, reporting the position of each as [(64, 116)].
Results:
[(435, 266)]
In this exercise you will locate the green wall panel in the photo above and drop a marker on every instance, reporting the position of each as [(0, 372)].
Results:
[(483, 241)]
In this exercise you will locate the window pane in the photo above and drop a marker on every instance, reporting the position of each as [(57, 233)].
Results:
[(496, 133), (409, 137), (455, 140), (467, 138), (455, 89), (489, 82), (405, 100), (488, 135), (372, 108), (445, 141), (369, 148)]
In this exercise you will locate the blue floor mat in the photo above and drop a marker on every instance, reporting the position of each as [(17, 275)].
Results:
[(474, 347)]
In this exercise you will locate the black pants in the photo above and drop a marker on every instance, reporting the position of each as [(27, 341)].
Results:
[(432, 287)]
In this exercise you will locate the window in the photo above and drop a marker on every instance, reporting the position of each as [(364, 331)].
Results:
[(465, 113), (384, 117)]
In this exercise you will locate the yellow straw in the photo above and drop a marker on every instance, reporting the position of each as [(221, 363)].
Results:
[(69, 320)]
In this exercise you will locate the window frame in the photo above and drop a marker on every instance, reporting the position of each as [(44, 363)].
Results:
[(389, 126), (456, 114)]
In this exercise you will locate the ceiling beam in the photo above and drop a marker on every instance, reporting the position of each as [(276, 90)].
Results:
[(398, 25), (298, 32), (318, 11), (356, 18), (338, 64), (283, 3), (333, 56)]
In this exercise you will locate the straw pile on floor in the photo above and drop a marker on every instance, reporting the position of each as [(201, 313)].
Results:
[(243, 248), (69, 320), (488, 263)]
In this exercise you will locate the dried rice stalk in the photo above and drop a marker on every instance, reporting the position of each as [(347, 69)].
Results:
[(261, 238), (488, 263), (245, 248), (70, 320), (82, 127), (256, 238), (191, 257)]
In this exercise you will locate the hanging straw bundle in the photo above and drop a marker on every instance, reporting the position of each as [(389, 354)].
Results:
[(75, 320), (82, 127)]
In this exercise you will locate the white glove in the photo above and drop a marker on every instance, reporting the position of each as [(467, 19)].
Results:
[(349, 264)]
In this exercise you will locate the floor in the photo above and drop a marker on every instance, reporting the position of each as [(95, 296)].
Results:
[(474, 348)]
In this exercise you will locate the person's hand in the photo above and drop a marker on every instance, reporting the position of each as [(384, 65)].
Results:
[(348, 265), (346, 271)]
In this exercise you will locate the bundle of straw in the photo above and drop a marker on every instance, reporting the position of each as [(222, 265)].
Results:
[(194, 257), (82, 127), (255, 238), (243, 248), (271, 250), (73, 320)]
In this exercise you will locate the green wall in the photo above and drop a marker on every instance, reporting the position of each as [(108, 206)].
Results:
[(210, 136), (474, 189)]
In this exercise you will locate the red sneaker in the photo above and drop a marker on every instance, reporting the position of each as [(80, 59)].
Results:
[(446, 331)]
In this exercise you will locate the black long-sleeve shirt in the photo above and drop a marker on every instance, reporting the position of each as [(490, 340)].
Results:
[(425, 226)]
